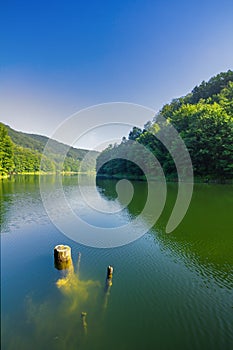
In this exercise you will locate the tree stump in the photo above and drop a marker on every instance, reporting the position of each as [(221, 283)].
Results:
[(109, 272), (62, 256)]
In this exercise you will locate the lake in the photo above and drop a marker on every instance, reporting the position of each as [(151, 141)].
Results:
[(169, 291)]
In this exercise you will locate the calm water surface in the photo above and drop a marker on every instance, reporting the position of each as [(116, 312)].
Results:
[(169, 291)]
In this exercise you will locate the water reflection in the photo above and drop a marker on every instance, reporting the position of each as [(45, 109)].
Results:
[(54, 319), (20, 201), (107, 188), (204, 238), (77, 291), (77, 308)]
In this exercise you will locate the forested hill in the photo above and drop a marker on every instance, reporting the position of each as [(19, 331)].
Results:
[(204, 120), (38, 142), (23, 153)]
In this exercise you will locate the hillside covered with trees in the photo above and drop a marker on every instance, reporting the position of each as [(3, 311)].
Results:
[(204, 120), (23, 153)]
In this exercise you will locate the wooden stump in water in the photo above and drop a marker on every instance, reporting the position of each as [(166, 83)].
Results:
[(108, 285), (62, 256), (109, 271)]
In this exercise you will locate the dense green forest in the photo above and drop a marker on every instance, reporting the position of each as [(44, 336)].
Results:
[(204, 120), (23, 153)]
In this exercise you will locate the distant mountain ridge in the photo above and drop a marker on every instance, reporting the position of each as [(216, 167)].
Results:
[(22, 152), (37, 143)]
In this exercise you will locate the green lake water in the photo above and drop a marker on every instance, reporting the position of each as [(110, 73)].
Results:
[(169, 291)]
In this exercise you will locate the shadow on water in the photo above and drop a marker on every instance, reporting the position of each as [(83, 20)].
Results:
[(204, 237), (203, 240)]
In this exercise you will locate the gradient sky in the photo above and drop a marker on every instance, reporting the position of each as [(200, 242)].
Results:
[(58, 57)]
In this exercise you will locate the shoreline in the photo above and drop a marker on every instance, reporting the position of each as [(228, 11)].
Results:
[(39, 173), (204, 180)]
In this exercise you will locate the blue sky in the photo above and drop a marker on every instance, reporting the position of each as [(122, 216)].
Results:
[(58, 57)]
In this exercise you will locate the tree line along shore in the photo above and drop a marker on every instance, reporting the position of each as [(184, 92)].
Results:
[(203, 119)]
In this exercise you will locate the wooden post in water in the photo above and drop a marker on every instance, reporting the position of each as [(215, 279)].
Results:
[(62, 256), (109, 272), (108, 285), (84, 322)]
